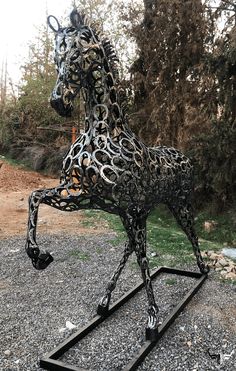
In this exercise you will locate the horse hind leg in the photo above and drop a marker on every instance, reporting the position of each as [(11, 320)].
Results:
[(105, 300), (57, 198), (137, 231), (140, 250), (184, 216)]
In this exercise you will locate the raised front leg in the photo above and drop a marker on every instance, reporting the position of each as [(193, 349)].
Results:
[(58, 198)]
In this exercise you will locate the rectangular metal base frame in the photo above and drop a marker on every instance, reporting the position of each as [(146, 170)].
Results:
[(50, 361)]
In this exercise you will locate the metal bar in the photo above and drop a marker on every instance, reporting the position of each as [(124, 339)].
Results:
[(140, 356), (181, 272), (81, 333), (50, 362), (74, 338), (182, 304), (148, 345)]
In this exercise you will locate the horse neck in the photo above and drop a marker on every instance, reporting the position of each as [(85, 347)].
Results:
[(104, 104)]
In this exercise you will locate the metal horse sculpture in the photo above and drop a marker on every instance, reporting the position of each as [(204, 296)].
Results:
[(107, 167)]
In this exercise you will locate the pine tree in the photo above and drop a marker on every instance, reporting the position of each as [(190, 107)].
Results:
[(171, 42)]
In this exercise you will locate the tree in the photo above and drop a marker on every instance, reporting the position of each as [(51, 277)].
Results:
[(38, 80), (216, 151), (110, 18), (171, 43)]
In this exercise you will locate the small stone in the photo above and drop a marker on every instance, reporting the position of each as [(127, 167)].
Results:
[(231, 276), (210, 225), (209, 252), (70, 325), (223, 262), (232, 265), (7, 353), (223, 273), (62, 329), (214, 256)]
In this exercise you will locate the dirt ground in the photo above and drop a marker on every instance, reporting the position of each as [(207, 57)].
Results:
[(16, 184)]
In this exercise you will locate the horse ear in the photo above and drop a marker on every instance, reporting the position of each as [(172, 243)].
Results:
[(77, 19), (55, 26)]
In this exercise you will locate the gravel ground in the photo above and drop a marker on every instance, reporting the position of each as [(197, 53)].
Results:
[(34, 308)]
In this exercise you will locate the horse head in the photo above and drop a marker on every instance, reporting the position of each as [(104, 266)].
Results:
[(77, 55)]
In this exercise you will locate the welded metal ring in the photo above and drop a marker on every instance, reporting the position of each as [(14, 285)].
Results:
[(50, 24), (109, 174)]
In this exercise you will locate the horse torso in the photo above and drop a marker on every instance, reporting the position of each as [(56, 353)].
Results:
[(125, 171)]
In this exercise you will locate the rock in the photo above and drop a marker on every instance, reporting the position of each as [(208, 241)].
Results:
[(210, 225), (231, 276), (214, 256), (223, 262), (229, 252), (7, 353), (223, 273), (62, 329), (70, 325), (209, 252)]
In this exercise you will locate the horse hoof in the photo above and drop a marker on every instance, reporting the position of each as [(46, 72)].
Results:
[(152, 334), (43, 261), (102, 311), (204, 269)]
